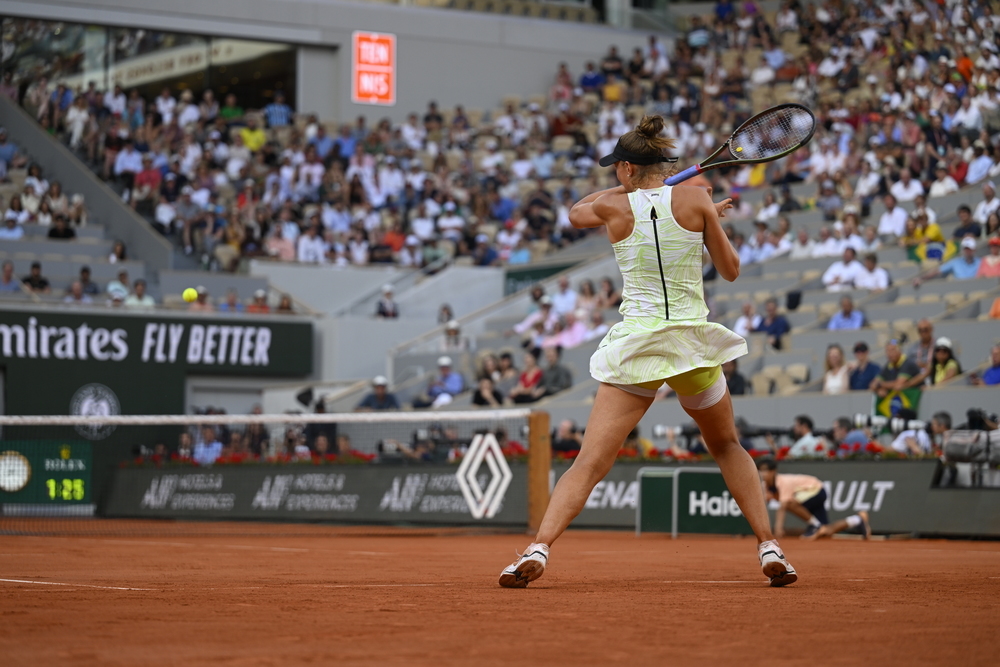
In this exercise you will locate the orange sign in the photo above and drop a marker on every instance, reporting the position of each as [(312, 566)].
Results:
[(373, 69)]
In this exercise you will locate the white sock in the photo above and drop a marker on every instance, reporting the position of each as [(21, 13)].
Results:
[(853, 521), (814, 522)]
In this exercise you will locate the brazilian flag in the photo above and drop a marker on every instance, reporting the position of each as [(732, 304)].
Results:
[(895, 401)]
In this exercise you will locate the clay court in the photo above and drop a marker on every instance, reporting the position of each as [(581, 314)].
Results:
[(413, 597)]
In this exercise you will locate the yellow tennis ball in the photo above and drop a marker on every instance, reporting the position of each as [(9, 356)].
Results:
[(739, 149), (190, 294)]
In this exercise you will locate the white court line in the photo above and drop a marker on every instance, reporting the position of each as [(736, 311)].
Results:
[(219, 546), (373, 585), (372, 553), (709, 582), (56, 583)]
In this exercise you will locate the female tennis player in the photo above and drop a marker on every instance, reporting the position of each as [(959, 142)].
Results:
[(657, 233)]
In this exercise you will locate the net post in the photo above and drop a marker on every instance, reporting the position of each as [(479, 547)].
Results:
[(539, 467)]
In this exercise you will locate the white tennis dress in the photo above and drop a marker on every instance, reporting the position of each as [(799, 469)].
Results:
[(665, 331)]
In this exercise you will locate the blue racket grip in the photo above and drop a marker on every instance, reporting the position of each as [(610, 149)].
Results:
[(682, 176)]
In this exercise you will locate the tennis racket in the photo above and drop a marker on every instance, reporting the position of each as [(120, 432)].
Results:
[(770, 135)]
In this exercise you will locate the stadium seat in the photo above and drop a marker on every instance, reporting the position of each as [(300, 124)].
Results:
[(563, 143), (760, 384), (904, 326), (906, 300), (929, 298), (798, 372), (954, 298), (826, 310)]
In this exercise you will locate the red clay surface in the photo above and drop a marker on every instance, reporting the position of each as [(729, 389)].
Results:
[(351, 597)]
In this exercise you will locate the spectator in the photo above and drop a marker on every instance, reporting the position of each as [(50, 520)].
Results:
[(871, 277), (311, 248), (596, 328), (453, 341), (806, 444), (802, 247), (387, 308), (118, 287), (945, 366), (8, 283), (640, 445), (285, 305), (573, 332), (556, 377), (76, 295), (279, 247), (963, 267), (380, 398), (914, 441), (202, 303), (841, 274), (906, 188), (734, 379), (773, 324), (486, 394), (232, 303), (846, 437), (922, 350), (253, 137), (989, 266), (259, 304), (748, 321), (529, 380), (991, 376), (139, 298), (609, 296), (12, 229), (893, 221), (836, 379), (61, 230), (208, 449), (897, 385), (862, 371), (567, 437), (848, 318), (11, 156), (564, 300), (943, 183), (35, 281), (545, 314), (442, 389), (277, 113), (967, 226), (990, 204)]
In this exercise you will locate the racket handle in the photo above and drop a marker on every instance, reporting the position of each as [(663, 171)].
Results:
[(682, 176)]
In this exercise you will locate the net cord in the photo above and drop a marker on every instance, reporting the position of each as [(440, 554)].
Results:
[(322, 418)]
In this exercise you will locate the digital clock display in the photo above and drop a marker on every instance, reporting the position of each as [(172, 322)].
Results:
[(45, 472)]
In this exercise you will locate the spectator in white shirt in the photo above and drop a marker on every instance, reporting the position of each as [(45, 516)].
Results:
[(920, 206), (748, 321), (943, 184), (827, 246), (871, 277), (802, 246), (114, 101), (311, 248), (208, 449), (979, 166), (871, 240), (906, 188), (414, 134), (989, 204), (968, 119), (564, 300), (451, 225), (165, 106), (893, 221), (128, 163), (841, 274)]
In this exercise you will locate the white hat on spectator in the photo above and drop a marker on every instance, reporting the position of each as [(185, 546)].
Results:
[(699, 127), (412, 240), (950, 88), (259, 294), (387, 289), (444, 361), (390, 159), (563, 106), (969, 242), (452, 325), (201, 289), (186, 190), (533, 106), (942, 59), (214, 134), (987, 45), (991, 185), (871, 78), (380, 381), (449, 206), (578, 92), (546, 300), (943, 341), (482, 238)]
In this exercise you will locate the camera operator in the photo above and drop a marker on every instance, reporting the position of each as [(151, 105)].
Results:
[(806, 444), (922, 441), (848, 438), (567, 437)]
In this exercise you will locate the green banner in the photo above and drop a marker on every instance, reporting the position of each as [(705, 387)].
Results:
[(45, 472), (704, 504), (518, 279)]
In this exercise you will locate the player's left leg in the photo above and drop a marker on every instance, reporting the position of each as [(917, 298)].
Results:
[(851, 522), (614, 415)]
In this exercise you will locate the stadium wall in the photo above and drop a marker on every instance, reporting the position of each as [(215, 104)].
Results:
[(449, 56)]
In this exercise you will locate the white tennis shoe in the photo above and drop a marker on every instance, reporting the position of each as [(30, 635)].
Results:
[(529, 566), (774, 566)]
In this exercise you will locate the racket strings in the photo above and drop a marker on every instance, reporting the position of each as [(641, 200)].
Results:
[(772, 133)]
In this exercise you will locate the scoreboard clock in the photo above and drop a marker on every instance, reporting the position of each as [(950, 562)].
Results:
[(45, 472)]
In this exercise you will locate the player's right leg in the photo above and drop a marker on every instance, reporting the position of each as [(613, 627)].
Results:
[(718, 429), (614, 415)]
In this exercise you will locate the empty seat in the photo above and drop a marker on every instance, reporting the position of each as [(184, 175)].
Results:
[(906, 300), (771, 371), (929, 298), (952, 299), (798, 372), (826, 310), (760, 384)]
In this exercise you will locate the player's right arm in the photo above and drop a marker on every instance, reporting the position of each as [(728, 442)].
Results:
[(588, 212), (724, 255)]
